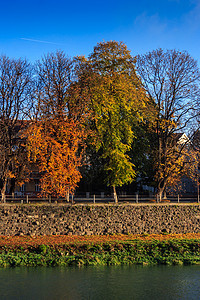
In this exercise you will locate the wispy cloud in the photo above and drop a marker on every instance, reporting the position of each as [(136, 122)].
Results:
[(39, 41), (153, 24), (192, 17)]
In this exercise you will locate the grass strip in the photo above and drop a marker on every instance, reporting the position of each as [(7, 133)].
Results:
[(151, 251)]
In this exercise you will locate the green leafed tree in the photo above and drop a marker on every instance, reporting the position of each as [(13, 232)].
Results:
[(117, 101)]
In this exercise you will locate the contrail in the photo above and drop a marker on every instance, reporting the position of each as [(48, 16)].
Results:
[(38, 41)]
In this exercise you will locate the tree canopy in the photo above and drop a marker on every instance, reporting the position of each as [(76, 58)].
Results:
[(55, 137), (110, 114), (117, 101)]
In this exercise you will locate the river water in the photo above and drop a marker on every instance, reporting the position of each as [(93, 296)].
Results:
[(121, 282)]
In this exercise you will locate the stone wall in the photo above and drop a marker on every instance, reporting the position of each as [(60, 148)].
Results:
[(98, 219)]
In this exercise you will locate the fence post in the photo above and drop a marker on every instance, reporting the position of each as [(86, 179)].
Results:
[(136, 198), (49, 198), (27, 199), (4, 198), (21, 201), (178, 198), (157, 198), (94, 198)]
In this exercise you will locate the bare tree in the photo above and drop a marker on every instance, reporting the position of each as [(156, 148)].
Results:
[(171, 79), (54, 74), (15, 104)]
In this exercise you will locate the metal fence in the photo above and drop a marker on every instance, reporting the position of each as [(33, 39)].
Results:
[(95, 199)]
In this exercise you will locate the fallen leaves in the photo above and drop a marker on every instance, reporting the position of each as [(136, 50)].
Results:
[(28, 241)]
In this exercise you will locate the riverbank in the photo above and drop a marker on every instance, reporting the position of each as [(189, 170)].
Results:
[(168, 249)]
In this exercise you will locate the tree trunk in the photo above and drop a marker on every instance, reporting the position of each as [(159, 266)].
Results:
[(3, 191), (160, 195), (161, 191), (67, 195), (165, 195), (115, 194)]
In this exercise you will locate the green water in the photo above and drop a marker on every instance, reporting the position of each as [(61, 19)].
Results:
[(132, 282)]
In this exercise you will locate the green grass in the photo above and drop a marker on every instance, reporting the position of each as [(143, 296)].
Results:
[(170, 252)]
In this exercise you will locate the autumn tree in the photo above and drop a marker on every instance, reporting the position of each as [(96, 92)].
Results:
[(15, 106), (171, 79), (56, 135), (54, 144), (117, 101)]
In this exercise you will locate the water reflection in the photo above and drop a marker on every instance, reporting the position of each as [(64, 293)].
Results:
[(124, 282)]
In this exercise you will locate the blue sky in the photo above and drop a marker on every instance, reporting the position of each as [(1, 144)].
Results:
[(33, 28)]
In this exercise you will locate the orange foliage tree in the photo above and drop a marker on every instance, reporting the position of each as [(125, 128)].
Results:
[(55, 145), (55, 139)]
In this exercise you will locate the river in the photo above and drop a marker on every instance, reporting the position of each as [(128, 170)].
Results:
[(118, 282)]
